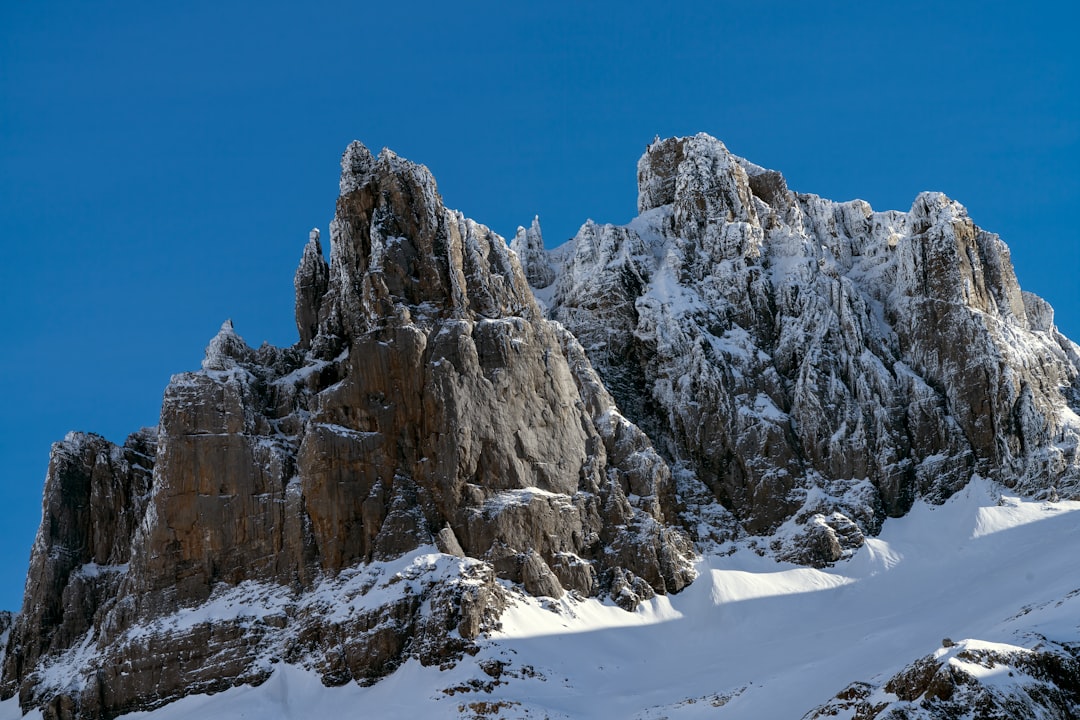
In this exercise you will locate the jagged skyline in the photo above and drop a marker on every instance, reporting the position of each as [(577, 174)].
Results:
[(162, 166), (300, 494)]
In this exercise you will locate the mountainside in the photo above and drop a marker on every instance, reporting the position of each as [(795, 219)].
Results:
[(436, 468), (427, 403), (816, 361)]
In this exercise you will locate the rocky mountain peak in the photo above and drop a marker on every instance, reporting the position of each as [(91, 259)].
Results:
[(356, 163), (226, 349), (430, 435), (528, 245), (700, 179), (961, 262), (398, 255), (817, 364), (741, 365)]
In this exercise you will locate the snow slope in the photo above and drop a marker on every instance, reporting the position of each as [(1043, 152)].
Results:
[(750, 638)]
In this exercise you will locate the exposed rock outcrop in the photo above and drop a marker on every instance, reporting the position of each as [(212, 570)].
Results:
[(529, 247), (813, 362), (969, 679), (95, 497), (6, 619), (311, 283), (461, 406), (427, 403)]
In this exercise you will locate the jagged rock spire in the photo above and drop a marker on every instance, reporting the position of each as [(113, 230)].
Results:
[(356, 164), (529, 246), (226, 349), (311, 282), (397, 253)]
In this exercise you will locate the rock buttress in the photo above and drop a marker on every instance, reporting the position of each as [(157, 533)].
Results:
[(428, 404)]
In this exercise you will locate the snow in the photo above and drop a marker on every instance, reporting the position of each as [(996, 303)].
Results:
[(301, 374), (751, 637), (516, 497), (1012, 512), (246, 601), (364, 587), (93, 570), (730, 586), (346, 432), (774, 640)]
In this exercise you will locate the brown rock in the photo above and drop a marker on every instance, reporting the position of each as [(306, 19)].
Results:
[(427, 402), (95, 495), (311, 281)]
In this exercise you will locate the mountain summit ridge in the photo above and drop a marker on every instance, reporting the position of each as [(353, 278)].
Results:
[(810, 359), (445, 441)]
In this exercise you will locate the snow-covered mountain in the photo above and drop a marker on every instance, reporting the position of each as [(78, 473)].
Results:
[(754, 454)]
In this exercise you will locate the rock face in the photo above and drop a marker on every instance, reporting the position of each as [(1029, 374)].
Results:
[(817, 365), (5, 631), (311, 283), (95, 497), (430, 434)]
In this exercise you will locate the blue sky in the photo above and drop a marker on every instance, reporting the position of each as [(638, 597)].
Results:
[(162, 163)]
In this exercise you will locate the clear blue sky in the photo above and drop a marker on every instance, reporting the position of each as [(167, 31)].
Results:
[(162, 163)]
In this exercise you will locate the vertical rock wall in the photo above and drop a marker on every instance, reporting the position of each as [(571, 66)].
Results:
[(428, 403)]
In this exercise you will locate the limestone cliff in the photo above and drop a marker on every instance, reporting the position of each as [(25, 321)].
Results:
[(430, 434)]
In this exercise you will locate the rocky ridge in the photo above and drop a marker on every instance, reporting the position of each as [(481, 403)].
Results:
[(439, 441), (814, 366), (430, 439)]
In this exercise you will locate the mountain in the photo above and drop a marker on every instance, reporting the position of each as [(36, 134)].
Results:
[(817, 365), (656, 434)]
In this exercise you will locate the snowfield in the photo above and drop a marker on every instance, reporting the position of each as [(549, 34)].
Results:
[(750, 638)]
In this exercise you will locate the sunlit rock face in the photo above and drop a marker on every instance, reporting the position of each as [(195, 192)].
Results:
[(430, 434), (817, 365)]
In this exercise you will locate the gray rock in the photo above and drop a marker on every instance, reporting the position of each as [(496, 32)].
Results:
[(448, 543), (310, 283), (800, 357), (529, 246)]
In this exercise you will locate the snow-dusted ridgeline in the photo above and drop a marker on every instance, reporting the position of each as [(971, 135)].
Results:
[(816, 366)]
